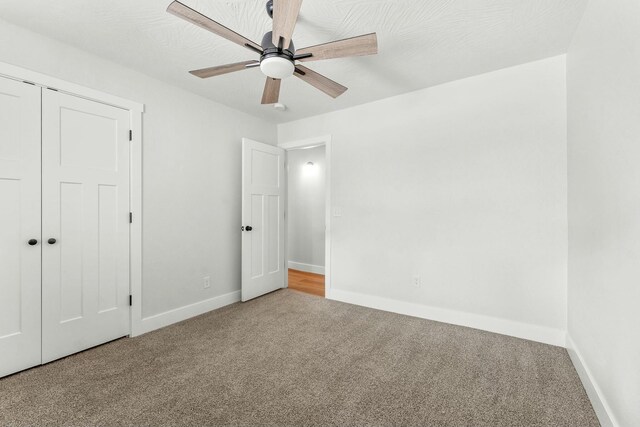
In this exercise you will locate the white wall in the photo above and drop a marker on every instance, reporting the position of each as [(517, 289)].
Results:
[(603, 77), (463, 184), (306, 209), (191, 171)]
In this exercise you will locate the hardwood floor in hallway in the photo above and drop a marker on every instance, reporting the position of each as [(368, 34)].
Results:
[(309, 283)]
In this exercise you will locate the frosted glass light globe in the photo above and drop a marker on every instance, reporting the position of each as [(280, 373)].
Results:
[(276, 67)]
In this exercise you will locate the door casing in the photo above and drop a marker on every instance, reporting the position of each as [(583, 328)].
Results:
[(324, 140)]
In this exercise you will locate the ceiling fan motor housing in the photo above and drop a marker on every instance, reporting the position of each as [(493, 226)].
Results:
[(275, 62)]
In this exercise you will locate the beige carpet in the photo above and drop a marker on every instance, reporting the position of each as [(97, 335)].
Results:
[(294, 359)]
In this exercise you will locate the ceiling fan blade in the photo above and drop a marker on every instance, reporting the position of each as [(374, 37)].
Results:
[(185, 12), (319, 81), (355, 46), (222, 69), (271, 92), (285, 15)]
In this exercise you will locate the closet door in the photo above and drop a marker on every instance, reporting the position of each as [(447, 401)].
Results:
[(20, 242), (85, 224)]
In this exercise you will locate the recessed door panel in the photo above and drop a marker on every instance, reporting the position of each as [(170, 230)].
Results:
[(71, 262), (272, 234), (88, 140), (19, 226), (264, 169), (11, 289), (108, 251), (11, 110), (85, 281), (257, 209)]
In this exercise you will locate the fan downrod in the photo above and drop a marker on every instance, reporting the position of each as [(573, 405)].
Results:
[(270, 8)]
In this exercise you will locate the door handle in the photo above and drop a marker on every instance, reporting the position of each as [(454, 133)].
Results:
[(32, 242), (248, 228), (51, 241)]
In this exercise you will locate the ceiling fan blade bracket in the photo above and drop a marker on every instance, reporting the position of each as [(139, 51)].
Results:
[(303, 56), (299, 71), (253, 48)]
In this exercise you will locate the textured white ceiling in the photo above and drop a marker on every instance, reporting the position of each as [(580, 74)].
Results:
[(421, 42)]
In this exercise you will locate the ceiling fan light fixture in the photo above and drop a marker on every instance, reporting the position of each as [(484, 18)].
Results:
[(277, 67), (278, 56)]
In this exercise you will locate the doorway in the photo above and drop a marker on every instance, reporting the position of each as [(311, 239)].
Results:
[(307, 196)]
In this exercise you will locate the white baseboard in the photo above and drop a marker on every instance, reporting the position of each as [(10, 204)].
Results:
[(309, 268), (599, 403), (167, 318), (512, 328)]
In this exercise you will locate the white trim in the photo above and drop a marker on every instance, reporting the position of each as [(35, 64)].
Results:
[(285, 243), (135, 173), (170, 317), (316, 141), (599, 403), (309, 268), (327, 215), (135, 228), (308, 143), (45, 81), (512, 328)]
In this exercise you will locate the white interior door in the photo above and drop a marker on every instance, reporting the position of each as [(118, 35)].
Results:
[(85, 208), (263, 192), (19, 224)]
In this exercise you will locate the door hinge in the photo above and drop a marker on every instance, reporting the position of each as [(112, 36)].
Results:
[(130, 300), (130, 217), (130, 135), (29, 83)]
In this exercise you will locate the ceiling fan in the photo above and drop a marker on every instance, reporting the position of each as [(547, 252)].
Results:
[(279, 58)]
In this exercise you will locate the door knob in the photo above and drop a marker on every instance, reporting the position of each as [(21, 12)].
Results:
[(32, 242), (51, 241), (248, 228)]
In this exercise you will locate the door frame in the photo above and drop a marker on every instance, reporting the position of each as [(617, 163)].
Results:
[(318, 141), (136, 110)]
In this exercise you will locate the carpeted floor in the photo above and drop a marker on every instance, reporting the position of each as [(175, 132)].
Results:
[(294, 359)]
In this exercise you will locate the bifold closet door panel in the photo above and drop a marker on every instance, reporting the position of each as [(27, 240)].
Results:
[(85, 224), (20, 242)]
